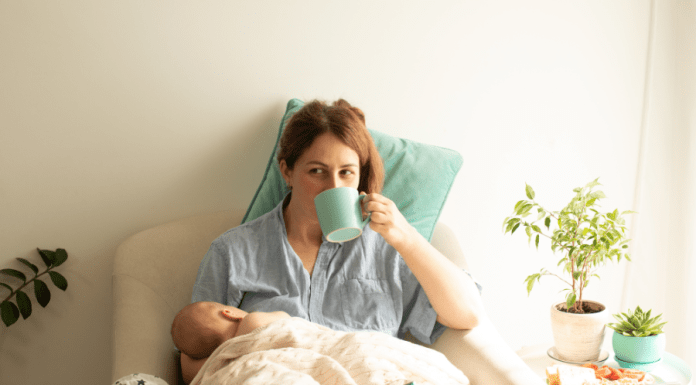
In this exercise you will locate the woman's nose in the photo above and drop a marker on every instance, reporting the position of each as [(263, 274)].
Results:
[(335, 181)]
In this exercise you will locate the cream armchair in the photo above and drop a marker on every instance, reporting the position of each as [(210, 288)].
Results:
[(153, 276)]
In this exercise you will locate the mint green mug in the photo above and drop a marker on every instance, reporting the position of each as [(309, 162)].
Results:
[(340, 214)]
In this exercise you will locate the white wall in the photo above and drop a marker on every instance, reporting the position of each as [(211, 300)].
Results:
[(668, 181), (117, 116), (686, 94)]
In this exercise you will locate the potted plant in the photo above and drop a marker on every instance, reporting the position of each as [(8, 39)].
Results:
[(638, 339), (586, 239)]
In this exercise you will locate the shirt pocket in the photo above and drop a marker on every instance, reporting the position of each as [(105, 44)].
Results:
[(367, 305)]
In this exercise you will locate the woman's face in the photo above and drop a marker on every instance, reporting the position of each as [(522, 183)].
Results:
[(326, 164)]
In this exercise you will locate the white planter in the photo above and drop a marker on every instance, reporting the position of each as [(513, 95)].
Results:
[(578, 337)]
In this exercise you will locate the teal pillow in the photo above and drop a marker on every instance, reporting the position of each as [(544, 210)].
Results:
[(418, 177)]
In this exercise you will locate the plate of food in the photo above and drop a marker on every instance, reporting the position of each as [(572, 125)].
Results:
[(590, 374)]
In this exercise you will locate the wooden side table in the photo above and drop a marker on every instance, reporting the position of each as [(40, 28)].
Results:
[(672, 370)]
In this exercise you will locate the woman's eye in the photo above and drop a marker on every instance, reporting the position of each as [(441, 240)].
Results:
[(347, 172), (316, 171)]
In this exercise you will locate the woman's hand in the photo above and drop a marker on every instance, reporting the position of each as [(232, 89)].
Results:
[(387, 220)]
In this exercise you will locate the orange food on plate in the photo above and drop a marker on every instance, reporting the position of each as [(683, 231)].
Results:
[(563, 374), (615, 374), (633, 373), (603, 372), (591, 366)]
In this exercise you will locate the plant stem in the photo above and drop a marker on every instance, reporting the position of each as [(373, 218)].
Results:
[(578, 300), (557, 276), (586, 269), (25, 284)]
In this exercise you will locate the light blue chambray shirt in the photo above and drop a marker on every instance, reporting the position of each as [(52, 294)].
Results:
[(359, 285)]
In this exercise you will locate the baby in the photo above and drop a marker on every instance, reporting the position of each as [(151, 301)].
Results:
[(200, 327)]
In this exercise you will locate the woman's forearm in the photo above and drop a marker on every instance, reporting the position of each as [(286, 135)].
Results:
[(452, 292)]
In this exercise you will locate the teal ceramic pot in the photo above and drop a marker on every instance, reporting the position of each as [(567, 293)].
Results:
[(639, 349)]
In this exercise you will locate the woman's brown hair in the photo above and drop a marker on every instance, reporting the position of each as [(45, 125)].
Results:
[(345, 122)]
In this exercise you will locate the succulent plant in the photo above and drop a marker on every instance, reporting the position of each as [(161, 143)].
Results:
[(637, 323)]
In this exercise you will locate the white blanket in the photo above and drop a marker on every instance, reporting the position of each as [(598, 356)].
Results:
[(295, 351)]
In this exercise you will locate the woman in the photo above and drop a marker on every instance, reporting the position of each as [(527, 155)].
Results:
[(389, 279)]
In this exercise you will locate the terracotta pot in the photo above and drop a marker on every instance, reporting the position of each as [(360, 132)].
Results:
[(578, 337)]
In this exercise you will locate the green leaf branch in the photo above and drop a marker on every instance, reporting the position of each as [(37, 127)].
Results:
[(9, 311), (586, 238)]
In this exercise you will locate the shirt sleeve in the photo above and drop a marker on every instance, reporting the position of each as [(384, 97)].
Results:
[(214, 275), (419, 317)]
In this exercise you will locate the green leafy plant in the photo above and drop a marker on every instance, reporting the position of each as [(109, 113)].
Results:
[(585, 237), (637, 323), (9, 311)]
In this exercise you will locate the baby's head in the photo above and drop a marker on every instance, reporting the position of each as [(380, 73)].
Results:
[(199, 328)]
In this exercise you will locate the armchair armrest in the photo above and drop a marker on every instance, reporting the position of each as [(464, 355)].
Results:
[(484, 357), (142, 320), (481, 353), (153, 276)]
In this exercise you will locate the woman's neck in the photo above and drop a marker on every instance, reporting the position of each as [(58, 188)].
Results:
[(300, 225)]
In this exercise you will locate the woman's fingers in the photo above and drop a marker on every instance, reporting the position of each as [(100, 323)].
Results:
[(383, 211), (380, 211)]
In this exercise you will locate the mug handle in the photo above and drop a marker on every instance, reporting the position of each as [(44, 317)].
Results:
[(366, 220)]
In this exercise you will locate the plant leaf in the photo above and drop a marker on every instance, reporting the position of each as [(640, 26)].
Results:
[(659, 326), (593, 183), (518, 204), (547, 222), (530, 284), (597, 195), (14, 273), (43, 295), (529, 191), (58, 280), (60, 256), (511, 224), (524, 209), (570, 300), (514, 229), (47, 256), (24, 304), (9, 313), (30, 265), (7, 286)]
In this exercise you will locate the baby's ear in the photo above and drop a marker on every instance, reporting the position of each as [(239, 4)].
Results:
[(229, 315)]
